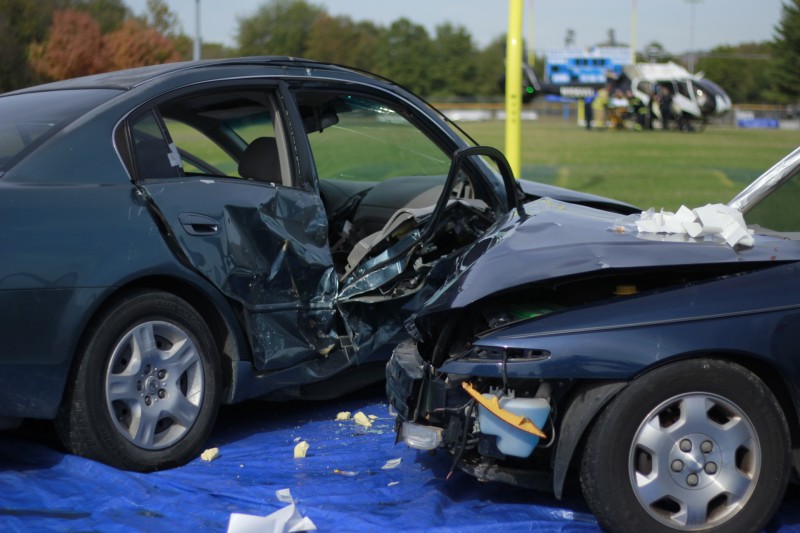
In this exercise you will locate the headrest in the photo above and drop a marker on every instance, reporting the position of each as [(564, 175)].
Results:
[(260, 161)]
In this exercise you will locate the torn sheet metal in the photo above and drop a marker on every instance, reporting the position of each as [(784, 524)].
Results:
[(266, 249), (383, 256), (709, 220), (283, 272), (402, 224), (401, 269)]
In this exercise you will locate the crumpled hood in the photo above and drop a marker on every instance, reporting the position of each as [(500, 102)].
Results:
[(557, 239)]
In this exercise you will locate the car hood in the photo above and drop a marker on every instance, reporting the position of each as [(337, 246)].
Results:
[(558, 240), (535, 190)]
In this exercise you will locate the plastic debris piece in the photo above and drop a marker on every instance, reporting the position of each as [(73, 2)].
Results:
[(393, 483), (344, 415), (284, 495), (372, 417), (328, 349), (347, 473), (493, 405), (286, 520), (711, 219), (362, 420), (300, 449), (210, 454), (391, 463)]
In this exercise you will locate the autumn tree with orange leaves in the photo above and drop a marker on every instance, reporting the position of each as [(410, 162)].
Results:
[(73, 48), (76, 47), (135, 45)]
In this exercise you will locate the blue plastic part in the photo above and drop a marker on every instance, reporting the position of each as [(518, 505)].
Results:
[(512, 440)]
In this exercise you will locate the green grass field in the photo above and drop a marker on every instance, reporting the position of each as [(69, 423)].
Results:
[(648, 169)]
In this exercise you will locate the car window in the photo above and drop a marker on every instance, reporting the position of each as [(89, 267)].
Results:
[(252, 124), (359, 139), (154, 156), (30, 118), (195, 142), (232, 134)]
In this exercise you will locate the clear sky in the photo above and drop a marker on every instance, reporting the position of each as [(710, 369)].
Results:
[(668, 22)]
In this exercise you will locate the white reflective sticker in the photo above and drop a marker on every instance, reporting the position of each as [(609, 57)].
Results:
[(174, 156)]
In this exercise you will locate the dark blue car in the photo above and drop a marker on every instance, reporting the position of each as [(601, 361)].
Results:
[(659, 362), (182, 236)]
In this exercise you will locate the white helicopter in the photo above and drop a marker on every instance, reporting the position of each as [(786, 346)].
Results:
[(694, 98)]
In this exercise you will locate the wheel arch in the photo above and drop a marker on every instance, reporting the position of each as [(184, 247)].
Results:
[(788, 396), (220, 316), (588, 399)]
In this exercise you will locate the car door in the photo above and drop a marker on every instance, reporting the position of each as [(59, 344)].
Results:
[(217, 167)]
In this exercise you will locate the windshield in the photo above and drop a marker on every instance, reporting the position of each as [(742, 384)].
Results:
[(28, 119), (710, 87), (358, 138)]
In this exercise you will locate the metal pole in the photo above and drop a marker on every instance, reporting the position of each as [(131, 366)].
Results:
[(514, 85), (196, 54), (692, 3), (633, 32), (531, 51)]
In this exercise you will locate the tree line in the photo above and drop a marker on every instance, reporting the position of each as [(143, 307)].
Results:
[(56, 39)]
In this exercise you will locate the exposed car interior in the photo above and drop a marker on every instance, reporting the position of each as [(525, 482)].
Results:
[(220, 134), (372, 162)]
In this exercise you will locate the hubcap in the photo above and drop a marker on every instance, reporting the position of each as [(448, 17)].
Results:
[(694, 461), (154, 385)]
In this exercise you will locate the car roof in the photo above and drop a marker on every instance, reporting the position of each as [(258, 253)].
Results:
[(130, 78)]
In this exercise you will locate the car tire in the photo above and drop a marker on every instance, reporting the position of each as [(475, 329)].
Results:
[(698, 445), (145, 391)]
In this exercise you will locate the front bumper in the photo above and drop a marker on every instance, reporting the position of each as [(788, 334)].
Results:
[(434, 412), (404, 373), (414, 391), (429, 409)]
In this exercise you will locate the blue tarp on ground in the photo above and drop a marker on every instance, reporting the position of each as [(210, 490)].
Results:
[(340, 485)]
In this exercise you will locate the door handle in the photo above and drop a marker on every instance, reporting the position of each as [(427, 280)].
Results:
[(199, 225)]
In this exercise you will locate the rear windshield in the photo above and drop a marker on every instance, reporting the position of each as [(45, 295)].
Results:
[(29, 119)]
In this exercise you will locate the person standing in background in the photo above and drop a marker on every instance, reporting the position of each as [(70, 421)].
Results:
[(665, 106), (599, 106), (587, 109), (637, 110)]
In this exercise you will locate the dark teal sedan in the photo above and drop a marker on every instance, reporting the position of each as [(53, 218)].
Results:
[(183, 236)]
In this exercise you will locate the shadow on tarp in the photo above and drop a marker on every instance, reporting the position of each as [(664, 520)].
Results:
[(340, 485)]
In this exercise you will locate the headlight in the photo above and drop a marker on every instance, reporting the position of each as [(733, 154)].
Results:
[(421, 437)]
